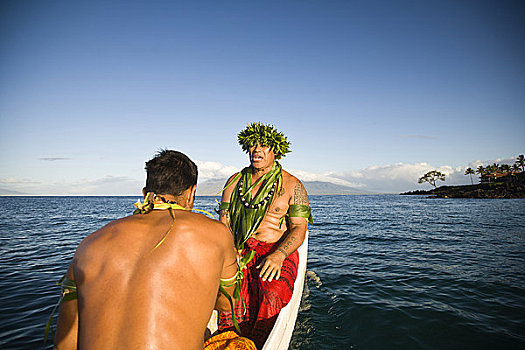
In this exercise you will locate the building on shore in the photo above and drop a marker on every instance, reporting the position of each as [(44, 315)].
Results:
[(506, 177)]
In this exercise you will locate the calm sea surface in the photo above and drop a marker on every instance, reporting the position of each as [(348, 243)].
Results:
[(384, 272)]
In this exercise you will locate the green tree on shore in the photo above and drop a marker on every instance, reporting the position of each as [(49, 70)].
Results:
[(480, 170), (470, 172), (487, 171), (491, 170), (520, 161), (431, 177)]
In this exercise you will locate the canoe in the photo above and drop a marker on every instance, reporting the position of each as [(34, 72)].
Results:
[(282, 331), (281, 334)]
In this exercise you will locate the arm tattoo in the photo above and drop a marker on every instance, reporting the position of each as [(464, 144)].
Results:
[(225, 213), (289, 243), (299, 194)]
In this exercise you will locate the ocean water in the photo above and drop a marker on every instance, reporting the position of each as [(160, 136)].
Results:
[(384, 271)]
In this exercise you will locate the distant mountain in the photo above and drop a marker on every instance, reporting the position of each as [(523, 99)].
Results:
[(324, 188), (212, 187), (6, 192)]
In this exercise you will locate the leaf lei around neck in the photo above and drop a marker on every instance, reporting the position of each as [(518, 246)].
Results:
[(247, 215), (153, 201)]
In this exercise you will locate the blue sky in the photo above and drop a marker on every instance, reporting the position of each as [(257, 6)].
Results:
[(371, 94)]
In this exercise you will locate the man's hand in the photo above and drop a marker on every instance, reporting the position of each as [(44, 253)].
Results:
[(271, 266)]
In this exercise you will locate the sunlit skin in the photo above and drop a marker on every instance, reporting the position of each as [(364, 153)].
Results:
[(290, 235), (131, 296)]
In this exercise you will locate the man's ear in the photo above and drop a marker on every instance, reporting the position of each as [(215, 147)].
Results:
[(191, 195), (144, 192)]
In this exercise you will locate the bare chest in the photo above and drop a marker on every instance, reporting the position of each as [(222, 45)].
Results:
[(279, 205)]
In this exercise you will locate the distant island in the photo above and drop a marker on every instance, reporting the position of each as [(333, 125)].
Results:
[(6, 192), (496, 181)]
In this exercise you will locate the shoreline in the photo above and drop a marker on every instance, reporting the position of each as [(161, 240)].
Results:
[(510, 190)]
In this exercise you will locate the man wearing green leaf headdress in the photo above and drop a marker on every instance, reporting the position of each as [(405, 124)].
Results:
[(268, 212)]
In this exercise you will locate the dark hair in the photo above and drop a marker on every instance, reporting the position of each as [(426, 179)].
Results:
[(170, 172)]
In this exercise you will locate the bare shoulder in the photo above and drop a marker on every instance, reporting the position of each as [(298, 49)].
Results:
[(217, 227), (99, 238), (98, 234), (231, 178), (210, 230), (289, 178), (229, 187), (296, 189), (205, 239)]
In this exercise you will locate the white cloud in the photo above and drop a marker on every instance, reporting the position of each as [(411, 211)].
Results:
[(214, 170), (53, 159), (387, 178), (326, 177), (14, 181), (477, 163), (400, 177), (109, 185), (106, 186), (392, 178)]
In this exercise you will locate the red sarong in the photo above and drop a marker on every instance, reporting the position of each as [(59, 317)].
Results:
[(264, 300)]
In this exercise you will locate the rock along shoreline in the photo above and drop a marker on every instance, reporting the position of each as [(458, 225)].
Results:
[(514, 188)]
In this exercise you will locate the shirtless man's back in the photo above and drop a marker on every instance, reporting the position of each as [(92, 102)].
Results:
[(134, 293)]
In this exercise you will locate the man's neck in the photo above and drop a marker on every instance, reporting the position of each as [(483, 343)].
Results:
[(174, 200), (258, 172)]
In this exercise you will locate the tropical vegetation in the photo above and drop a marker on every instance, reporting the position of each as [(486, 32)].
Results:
[(431, 177), (470, 172), (494, 171), (486, 173)]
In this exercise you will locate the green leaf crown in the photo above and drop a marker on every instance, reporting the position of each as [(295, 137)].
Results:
[(266, 135)]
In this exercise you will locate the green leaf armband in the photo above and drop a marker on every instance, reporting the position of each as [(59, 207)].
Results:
[(69, 292), (301, 211), (222, 206), (237, 281)]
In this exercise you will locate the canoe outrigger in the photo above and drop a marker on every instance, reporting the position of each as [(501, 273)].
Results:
[(281, 334)]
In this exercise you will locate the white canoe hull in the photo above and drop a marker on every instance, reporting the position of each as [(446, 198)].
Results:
[(281, 334)]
